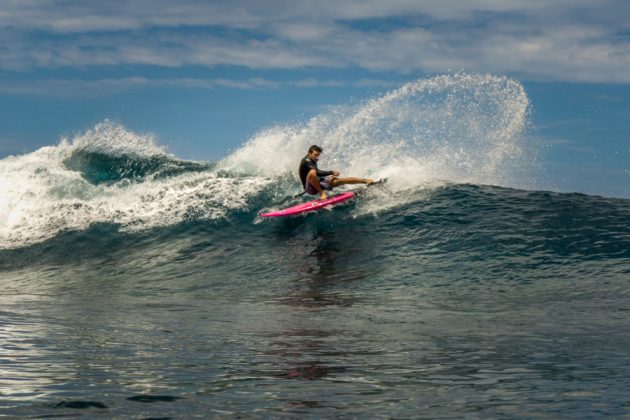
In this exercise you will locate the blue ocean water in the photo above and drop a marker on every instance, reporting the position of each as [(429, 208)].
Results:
[(136, 284)]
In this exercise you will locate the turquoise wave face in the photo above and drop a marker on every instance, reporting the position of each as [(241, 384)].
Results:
[(98, 168), (495, 223)]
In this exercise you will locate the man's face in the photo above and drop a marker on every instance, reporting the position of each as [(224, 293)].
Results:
[(314, 155)]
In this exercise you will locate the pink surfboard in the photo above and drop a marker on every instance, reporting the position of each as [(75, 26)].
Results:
[(311, 205)]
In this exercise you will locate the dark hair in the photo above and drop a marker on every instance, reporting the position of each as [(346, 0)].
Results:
[(314, 148)]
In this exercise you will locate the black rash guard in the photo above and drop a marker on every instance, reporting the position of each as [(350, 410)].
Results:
[(306, 165)]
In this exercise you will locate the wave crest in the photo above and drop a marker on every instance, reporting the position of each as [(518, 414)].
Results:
[(458, 128), (113, 176)]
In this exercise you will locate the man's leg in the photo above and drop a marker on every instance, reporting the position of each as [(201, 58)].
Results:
[(313, 180), (335, 182)]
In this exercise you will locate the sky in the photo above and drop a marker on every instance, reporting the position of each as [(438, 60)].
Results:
[(204, 76)]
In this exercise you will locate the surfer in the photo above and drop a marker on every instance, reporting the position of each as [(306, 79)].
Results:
[(316, 181)]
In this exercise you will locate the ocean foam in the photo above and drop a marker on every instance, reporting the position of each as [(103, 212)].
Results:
[(40, 197)]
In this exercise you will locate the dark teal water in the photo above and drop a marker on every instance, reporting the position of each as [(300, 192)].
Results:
[(460, 301)]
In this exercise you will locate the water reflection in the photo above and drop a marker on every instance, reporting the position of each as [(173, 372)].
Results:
[(308, 346), (23, 359), (305, 355), (325, 264)]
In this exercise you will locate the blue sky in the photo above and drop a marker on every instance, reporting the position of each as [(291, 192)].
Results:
[(204, 76)]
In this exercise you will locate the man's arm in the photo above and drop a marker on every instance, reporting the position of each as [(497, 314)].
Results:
[(325, 173)]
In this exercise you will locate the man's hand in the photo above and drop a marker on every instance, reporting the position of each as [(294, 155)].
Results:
[(335, 173), (323, 195)]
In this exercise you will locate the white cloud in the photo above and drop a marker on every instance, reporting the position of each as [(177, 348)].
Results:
[(81, 87), (103, 87), (573, 40)]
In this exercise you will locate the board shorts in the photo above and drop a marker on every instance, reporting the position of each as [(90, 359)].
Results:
[(324, 182)]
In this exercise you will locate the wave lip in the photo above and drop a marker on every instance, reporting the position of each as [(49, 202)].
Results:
[(99, 168), (109, 153)]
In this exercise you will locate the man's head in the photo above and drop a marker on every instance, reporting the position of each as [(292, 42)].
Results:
[(314, 151)]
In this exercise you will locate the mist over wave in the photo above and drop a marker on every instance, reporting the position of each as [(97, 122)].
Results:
[(457, 128)]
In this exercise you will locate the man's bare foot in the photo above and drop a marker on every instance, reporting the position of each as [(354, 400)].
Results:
[(368, 181), (323, 196)]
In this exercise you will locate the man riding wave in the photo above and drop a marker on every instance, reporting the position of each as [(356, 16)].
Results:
[(316, 181)]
